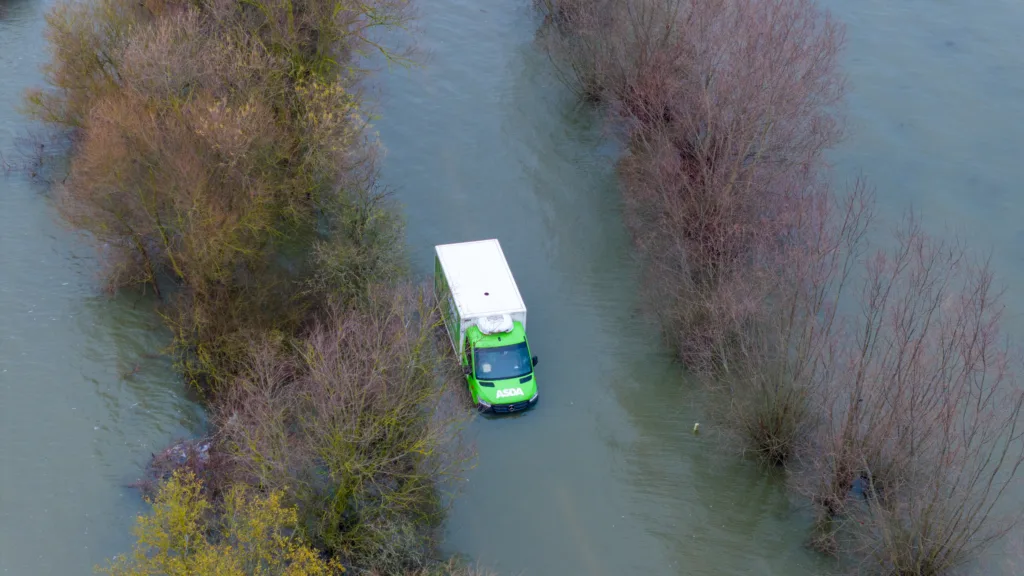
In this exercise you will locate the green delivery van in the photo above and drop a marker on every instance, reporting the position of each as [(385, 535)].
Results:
[(486, 320)]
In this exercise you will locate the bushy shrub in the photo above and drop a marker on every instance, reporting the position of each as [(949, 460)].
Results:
[(252, 535), (351, 420), (221, 158)]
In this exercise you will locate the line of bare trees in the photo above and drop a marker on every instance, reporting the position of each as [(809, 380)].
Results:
[(220, 157), (877, 373)]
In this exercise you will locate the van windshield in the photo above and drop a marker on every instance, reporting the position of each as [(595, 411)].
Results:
[(503, 362)]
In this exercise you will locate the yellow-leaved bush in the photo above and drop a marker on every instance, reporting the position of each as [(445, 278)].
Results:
[(253, 536)]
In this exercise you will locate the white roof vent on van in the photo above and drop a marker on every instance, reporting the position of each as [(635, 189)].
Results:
[(497, 324)]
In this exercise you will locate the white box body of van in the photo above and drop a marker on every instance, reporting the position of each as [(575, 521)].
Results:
[(474, 286)]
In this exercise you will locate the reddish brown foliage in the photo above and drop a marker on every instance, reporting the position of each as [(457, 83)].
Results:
[(727, 106), (923, 411)]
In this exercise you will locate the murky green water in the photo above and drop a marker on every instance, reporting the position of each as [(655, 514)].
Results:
[(73, 431), (936, 118), (605, 476)]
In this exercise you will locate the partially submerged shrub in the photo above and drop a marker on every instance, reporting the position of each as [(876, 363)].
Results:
[(347, 420), (726, 109), (191, 456), (184, 536), (924, 428), (717, 193), (217, 144), (367, 251), (782, 355)]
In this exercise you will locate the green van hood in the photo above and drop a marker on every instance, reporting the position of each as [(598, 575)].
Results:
[(508, 391)]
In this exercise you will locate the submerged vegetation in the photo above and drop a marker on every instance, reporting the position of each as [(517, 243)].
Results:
[(350, 422), (901, 420), (254, 535), (221, 157), (245, 533)]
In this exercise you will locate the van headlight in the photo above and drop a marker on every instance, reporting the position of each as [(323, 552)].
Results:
[(483, 404), (534, 397)]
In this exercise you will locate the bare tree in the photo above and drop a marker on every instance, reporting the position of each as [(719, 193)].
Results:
[(727, 107), (784, 344), (923, 426)]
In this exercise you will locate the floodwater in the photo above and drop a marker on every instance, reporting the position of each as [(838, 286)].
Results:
[(81, 405), (604, 477)]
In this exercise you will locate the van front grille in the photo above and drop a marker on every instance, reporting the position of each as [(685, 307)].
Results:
[(514, 407)]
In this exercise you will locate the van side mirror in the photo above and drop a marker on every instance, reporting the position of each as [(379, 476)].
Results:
[(467, 370), (534, 360)]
